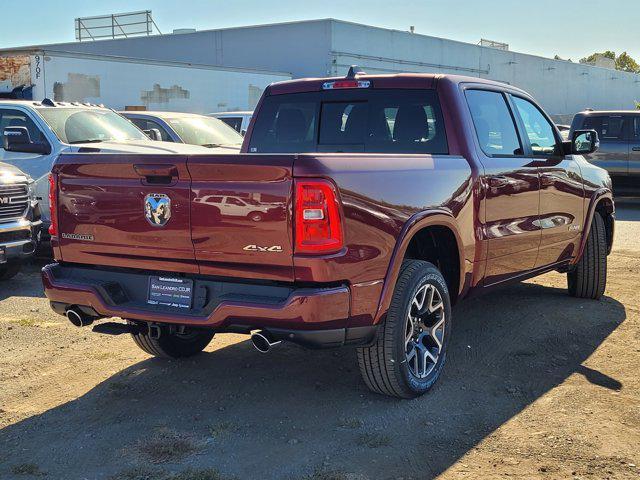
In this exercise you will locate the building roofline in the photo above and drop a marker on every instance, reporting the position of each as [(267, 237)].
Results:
[(320, 20)]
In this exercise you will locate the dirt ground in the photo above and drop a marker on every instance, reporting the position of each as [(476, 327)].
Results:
[(538, 385)]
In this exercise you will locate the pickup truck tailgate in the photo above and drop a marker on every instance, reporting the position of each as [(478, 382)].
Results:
[(240, 215), (125, 211)]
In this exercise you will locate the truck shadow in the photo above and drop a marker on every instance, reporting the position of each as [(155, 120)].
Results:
[(288, 413), (26, 283)]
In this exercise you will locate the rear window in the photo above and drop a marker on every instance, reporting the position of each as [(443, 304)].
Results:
[(377, 121)]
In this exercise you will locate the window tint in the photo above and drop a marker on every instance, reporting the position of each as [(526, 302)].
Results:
[(539, 130), (16, 118), (285, 125), (380, 121), (144, 124), (609, 128), (493, 123), (343, 123), (407, 123), (636, 128)]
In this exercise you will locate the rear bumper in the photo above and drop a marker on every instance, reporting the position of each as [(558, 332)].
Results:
[(317, 317)]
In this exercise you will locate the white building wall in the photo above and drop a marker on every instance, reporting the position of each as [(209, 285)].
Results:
[(563, 88), (327, 47)]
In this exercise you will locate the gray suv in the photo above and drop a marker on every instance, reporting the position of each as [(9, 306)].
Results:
[(619, 152)]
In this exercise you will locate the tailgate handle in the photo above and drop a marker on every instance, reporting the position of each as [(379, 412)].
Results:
[(157, 174)]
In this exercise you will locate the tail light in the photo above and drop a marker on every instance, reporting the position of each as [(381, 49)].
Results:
[(318, 226), (53, 204), (335, 85)]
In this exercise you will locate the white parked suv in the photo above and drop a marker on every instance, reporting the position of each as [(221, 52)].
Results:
[(35, 133)]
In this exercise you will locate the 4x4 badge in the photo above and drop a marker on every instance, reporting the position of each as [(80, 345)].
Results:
[(157, 209)]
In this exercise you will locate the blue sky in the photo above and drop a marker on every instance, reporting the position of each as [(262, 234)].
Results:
[(569, 28)]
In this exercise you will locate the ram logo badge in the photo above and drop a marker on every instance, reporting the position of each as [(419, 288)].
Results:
[(157, 209), (258, 248)]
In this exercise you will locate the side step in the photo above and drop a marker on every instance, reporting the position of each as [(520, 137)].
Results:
[(113, 328)]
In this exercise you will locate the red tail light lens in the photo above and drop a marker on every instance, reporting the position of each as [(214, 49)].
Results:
[(346, 84), (318, 227), (53, 204)]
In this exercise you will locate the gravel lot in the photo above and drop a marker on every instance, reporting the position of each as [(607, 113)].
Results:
[(538, 385)]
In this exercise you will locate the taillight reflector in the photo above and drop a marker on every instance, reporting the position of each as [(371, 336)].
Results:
[(318, 226), (53, 204), (346, 84)]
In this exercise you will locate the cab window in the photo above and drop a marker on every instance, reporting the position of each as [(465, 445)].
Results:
[(538, 129), (494, 125)]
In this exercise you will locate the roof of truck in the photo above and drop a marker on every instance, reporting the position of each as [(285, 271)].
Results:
[(52, 104), (398, 80)]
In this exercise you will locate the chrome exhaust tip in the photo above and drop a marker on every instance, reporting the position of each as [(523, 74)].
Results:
[(263, 342), (78, 318)]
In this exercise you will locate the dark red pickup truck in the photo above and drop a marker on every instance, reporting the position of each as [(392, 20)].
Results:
[(359, 210)]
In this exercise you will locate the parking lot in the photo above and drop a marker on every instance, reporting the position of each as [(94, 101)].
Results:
[(538, 385)]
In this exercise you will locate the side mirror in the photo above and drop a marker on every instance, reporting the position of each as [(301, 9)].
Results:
[(584, 142), (17, 139), (153, 134)]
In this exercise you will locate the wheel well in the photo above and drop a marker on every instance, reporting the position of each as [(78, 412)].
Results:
[(437, 244), (605, 209)]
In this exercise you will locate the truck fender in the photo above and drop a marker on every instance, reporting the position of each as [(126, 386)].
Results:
[(600, 195), (435, 217)]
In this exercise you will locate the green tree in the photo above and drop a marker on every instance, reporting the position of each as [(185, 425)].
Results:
[(625, 63), (637, 105), (592, 58)]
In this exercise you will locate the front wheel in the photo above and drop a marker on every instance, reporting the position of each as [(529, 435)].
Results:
[(172, 345), (410, 349), (588, 279)]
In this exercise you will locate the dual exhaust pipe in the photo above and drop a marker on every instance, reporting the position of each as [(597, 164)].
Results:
[(263, 341)]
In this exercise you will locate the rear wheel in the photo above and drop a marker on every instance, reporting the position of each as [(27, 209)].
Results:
[(410, 349), (172, 345), (588, 279), (9, 270)]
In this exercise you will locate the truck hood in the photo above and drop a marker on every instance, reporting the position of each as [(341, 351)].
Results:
[(143, 146), (11, 174)]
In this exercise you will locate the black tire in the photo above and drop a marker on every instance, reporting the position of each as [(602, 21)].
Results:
[(384, 365), (172, 345), (588, 279), (256, 216), (9, 270)]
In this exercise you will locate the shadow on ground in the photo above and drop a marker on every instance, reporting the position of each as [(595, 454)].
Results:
[(292, 412)]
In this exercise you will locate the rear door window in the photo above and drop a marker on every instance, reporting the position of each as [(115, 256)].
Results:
[(493, 123), (377, 121)]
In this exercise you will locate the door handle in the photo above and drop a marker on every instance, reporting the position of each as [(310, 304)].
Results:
[(636, 149), (498, 182), (157, 174)]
